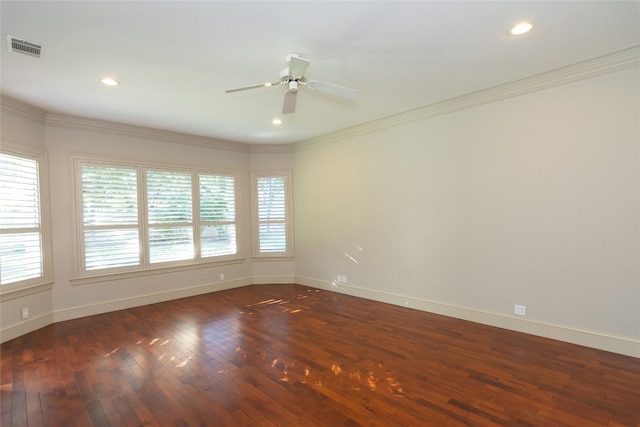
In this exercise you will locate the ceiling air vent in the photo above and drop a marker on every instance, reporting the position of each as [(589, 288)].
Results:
[(24, 47)]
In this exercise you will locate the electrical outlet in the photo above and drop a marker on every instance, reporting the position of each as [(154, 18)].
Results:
[(25, 313), (221, 276), (520, 310)]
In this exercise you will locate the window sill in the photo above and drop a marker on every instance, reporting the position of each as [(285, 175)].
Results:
[(105, 277), (9, 294), (273, 258)]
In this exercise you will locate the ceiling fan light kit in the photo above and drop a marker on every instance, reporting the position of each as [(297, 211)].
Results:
[(293, 76)]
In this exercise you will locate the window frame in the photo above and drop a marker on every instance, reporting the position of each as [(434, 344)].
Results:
[(145, 267), (198, 237), (45, 280), (79, 222), (289, 254), (145, 243)]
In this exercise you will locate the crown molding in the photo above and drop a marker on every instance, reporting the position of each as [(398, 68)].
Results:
[(19, 108), (121, 129), (270, 148), (616, 61)]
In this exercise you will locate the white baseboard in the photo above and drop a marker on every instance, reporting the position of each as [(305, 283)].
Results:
[(121, 304), (22, 328), (592, 339), (620, 345), (25, 326), (273, 280)]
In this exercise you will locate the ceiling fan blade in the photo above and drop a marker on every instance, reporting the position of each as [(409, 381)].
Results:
[(289, 105), (238, 89), (298, 66), (331, 89)]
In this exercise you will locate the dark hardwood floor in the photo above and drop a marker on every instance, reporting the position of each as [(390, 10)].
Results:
[(288, 355)]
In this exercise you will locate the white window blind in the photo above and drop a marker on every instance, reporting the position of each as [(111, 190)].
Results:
[(110, 217), (21, 256), (134, 218), (170, 212), (272, 214), (217, 215)]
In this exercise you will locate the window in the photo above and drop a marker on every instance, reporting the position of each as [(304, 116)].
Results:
[(217, 215), (111, 234), (273, 220), (24, 242), (170, 207), (135, 218)]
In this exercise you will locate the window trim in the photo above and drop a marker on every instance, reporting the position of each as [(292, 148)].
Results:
[(206, 223), (255, 227), (79, 228), (44, 282), (145, 238), (145, 267)]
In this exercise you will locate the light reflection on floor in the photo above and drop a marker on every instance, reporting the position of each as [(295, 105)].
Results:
[(162, 350), (375, 377), (177, 361), (228, 353)]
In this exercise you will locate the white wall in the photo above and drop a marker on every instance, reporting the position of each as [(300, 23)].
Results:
[(22, 124), (532, 200)]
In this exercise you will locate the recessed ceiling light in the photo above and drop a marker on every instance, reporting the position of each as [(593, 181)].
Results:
[(109, 81), (521, 28), (276, 121)]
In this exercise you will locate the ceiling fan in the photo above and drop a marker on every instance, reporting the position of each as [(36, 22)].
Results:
[(293, 77)]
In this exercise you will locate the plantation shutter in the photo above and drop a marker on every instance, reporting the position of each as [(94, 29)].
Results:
[(169, 205), (110, 217), (21, 238), (217, 215), (272, 214), (134, 218)]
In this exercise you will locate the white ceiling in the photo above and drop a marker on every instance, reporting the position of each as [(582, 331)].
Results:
[(174, 59)]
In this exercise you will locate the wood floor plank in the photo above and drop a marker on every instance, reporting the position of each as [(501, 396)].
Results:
[(289, 355)]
